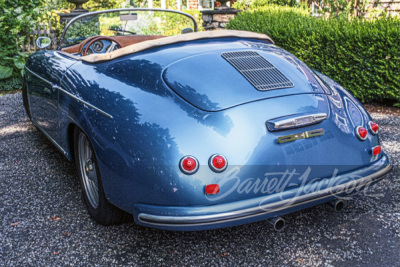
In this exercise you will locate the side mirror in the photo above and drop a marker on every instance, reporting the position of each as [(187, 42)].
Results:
[(43, 42), (187, 30)]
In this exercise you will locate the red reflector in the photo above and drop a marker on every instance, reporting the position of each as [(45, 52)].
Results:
[(376, 150), (218, 163), (189, 165), (212, 189), (373, 127), (361, 133)]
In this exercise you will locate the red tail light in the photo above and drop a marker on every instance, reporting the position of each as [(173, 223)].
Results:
[(212, 189), (218, 163), (376, 150), (189, 165), (373, 127), (361, 133)]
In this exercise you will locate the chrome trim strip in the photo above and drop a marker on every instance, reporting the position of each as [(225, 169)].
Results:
[(259, 210), (38, 76), (71, 95), (299, 121), (49, 137), (83, 101)]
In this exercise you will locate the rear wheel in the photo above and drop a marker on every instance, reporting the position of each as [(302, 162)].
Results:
[(94, 197)]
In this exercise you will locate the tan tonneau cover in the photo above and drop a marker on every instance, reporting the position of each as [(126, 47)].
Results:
[(93, 58)]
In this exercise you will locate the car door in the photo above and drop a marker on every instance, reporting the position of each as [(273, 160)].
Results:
[(44, 71)]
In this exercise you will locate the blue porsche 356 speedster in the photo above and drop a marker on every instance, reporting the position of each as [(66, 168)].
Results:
[(190, 130)]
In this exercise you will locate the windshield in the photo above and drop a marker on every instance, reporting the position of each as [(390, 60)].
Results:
[(127, 22)]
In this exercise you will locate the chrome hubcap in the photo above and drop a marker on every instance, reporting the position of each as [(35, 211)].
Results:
[(88, 170), (89, 166)]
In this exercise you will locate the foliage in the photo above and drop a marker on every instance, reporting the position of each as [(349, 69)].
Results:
[(147, 23), (5, 72), (371, 9), (94, 5), (196, 14), (325, 8), (57, 5), (19, 61), (254, 4), (375, 10), (341, 8), (10, 84), (170, 4), (363, 56), (16, 17), (173, 24), (165, 23), (82, 29)]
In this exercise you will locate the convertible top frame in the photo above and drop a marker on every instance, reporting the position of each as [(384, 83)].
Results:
[(122, 10)]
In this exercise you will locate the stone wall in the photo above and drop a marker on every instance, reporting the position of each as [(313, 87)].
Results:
[(217, 19)]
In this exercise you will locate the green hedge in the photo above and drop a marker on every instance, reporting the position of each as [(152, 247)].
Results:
[(363, 56), (252, 4), (11, 84)]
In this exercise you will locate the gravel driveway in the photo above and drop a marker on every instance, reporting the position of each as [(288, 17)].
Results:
[(44, 222)]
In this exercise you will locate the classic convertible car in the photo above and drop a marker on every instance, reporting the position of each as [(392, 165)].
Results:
[(189, 130)]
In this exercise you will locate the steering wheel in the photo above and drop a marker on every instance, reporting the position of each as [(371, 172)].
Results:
[(90, 42)]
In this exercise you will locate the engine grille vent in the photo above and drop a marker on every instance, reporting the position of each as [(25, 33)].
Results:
[(257, 70)]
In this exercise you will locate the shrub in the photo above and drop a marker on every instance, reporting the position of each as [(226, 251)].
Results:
[(16, 17), (11, 84), (363, 56), (245, 4)]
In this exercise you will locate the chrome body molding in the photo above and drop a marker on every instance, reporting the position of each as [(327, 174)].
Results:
[(295, 121), (260, 210), (55, 87), (38, 76), (83, 102), (49, 137)]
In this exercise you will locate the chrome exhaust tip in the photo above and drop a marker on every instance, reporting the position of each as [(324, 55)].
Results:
[(337, 205), (277, 223)]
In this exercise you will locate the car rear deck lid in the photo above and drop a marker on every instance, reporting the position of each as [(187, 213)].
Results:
[(211, 82)]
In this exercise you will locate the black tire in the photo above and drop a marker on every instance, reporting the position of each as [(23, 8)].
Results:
[(101, 210), (25, 98)]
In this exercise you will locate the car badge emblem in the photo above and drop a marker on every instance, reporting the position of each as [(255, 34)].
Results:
[(304, 135)]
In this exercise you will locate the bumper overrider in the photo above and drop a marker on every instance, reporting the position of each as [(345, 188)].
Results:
[(192, 218)]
